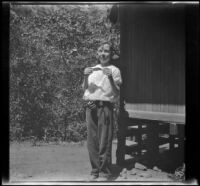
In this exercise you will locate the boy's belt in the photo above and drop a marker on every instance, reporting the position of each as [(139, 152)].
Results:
[(103, 103), (95, 104)]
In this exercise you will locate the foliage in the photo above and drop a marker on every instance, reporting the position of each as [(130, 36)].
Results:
[(49, 48)]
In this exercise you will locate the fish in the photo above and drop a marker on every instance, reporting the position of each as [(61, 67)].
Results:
[(93, 87)]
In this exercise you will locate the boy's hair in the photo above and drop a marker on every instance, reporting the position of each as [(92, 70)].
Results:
[(111, 49)]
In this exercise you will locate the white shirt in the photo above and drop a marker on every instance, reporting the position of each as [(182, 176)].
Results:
[(99, 87)]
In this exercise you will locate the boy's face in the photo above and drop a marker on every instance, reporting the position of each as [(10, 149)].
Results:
[(104, 54)]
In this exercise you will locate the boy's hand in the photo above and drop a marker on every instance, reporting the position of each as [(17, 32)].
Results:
[(88, 71), (107, 72)]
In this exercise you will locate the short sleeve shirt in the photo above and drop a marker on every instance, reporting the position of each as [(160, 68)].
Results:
[(99, 86)]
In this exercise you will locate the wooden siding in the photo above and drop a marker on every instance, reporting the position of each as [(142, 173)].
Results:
[(153, 57)]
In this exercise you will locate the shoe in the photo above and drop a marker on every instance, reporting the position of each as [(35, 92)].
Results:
[(93, 177)]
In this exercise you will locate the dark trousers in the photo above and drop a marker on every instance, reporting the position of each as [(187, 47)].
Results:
[(99, 139)]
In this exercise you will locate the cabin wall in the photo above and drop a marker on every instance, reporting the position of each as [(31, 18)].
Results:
[(153, 57)]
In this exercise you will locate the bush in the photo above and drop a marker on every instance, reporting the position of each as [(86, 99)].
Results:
[(76, 132), (49, 48)]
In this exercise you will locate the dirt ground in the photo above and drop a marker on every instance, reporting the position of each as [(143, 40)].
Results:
[(65, 162)]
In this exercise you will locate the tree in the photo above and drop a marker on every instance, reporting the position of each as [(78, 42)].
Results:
[(49, 48)]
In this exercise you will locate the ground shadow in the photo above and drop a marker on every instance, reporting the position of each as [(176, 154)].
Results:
[(167, 160), (170, 160), (115, 172)]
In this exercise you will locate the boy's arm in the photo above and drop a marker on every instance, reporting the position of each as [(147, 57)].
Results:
[(85, 82), (114, 87), (87, 72)]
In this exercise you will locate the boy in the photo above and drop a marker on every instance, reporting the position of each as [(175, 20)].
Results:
[(101, 85)]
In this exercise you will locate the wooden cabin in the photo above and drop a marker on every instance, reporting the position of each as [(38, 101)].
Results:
[(152, 62)]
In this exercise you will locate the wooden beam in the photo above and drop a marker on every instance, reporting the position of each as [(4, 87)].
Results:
[(158, 116), (152, 142)]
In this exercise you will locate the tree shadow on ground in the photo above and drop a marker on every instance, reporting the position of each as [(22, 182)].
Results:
[(167, 160)]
